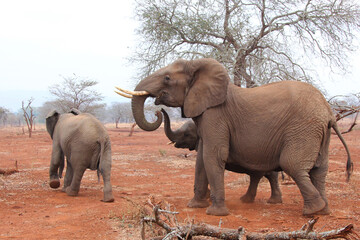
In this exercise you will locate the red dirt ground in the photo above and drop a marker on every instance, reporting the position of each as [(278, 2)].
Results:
[(143, 166)]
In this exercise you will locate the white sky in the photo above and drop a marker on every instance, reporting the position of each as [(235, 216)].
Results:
[(42, 39)]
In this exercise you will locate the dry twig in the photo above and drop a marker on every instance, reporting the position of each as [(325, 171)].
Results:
[(9, 171)]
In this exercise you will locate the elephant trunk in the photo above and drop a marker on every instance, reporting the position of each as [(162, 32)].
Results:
[(137, 105), (167, 127)]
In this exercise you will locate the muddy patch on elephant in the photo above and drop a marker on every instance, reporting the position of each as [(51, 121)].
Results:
[(143, 166)]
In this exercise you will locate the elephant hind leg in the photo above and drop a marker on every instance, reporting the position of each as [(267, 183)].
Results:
[(276, 196), (68, 175), (317, 176), (297, 161), (318, 173), (249, 196), (313, 201), (74, 187)]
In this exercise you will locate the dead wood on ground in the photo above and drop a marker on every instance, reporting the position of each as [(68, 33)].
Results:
[(7, 172), (166, 219), (132, 129)]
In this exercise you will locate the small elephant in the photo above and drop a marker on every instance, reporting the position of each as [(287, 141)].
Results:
[(278, 126), (186, 137), (84, 141)]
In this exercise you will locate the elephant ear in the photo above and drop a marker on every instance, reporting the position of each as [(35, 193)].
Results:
[(51, 120), (207, 88)]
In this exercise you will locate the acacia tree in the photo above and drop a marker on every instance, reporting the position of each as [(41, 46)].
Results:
[(76, 92), (259, 41), (120, 112), (28, 115)]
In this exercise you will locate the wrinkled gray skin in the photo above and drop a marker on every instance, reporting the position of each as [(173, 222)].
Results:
[(278, 126), (186, 137), (84, 141)]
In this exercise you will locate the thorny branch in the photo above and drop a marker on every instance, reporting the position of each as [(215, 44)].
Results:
[(189, 230)]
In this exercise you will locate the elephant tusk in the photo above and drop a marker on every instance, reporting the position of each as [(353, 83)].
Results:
[(134, 93), (169, 143), (123, 94)]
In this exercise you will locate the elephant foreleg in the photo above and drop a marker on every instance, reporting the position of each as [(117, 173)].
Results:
[(214, 162), (201, 182)]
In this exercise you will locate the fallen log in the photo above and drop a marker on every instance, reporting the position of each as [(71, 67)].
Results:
[(187, 231)]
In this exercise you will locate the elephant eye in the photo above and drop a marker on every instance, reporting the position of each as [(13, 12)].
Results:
[(167, 78)]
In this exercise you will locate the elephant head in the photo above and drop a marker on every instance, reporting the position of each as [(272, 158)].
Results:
[(184, 137), (194, 85), (51, 120)]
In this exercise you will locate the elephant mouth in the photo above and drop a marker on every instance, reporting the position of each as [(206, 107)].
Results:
[(158, 101)]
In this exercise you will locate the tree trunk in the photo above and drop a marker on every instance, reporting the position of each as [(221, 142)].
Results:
[(240, 74)]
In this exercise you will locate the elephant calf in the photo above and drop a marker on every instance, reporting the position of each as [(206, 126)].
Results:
[(186, 137), (84, 141)]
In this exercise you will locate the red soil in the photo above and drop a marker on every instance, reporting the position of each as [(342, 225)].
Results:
[(144, 165)]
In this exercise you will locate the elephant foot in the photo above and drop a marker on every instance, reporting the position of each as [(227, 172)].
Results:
[(64, 189), (324, 211), (194, 203), (217, 211), (274, 199), (54, 183), (247, 198), (108, 198), (314, 206), (70, 192)]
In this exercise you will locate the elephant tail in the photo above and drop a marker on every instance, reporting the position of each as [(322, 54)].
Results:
[(104, 157), (349, 163)]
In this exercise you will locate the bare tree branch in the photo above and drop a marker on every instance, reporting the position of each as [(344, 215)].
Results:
[(236, 33), (345, 106)]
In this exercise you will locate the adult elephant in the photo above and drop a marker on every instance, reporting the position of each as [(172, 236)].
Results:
[(186, 137), (284, 125), (84, 141)]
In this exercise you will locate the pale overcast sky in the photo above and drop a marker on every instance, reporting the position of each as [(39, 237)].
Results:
[(42, 39)]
